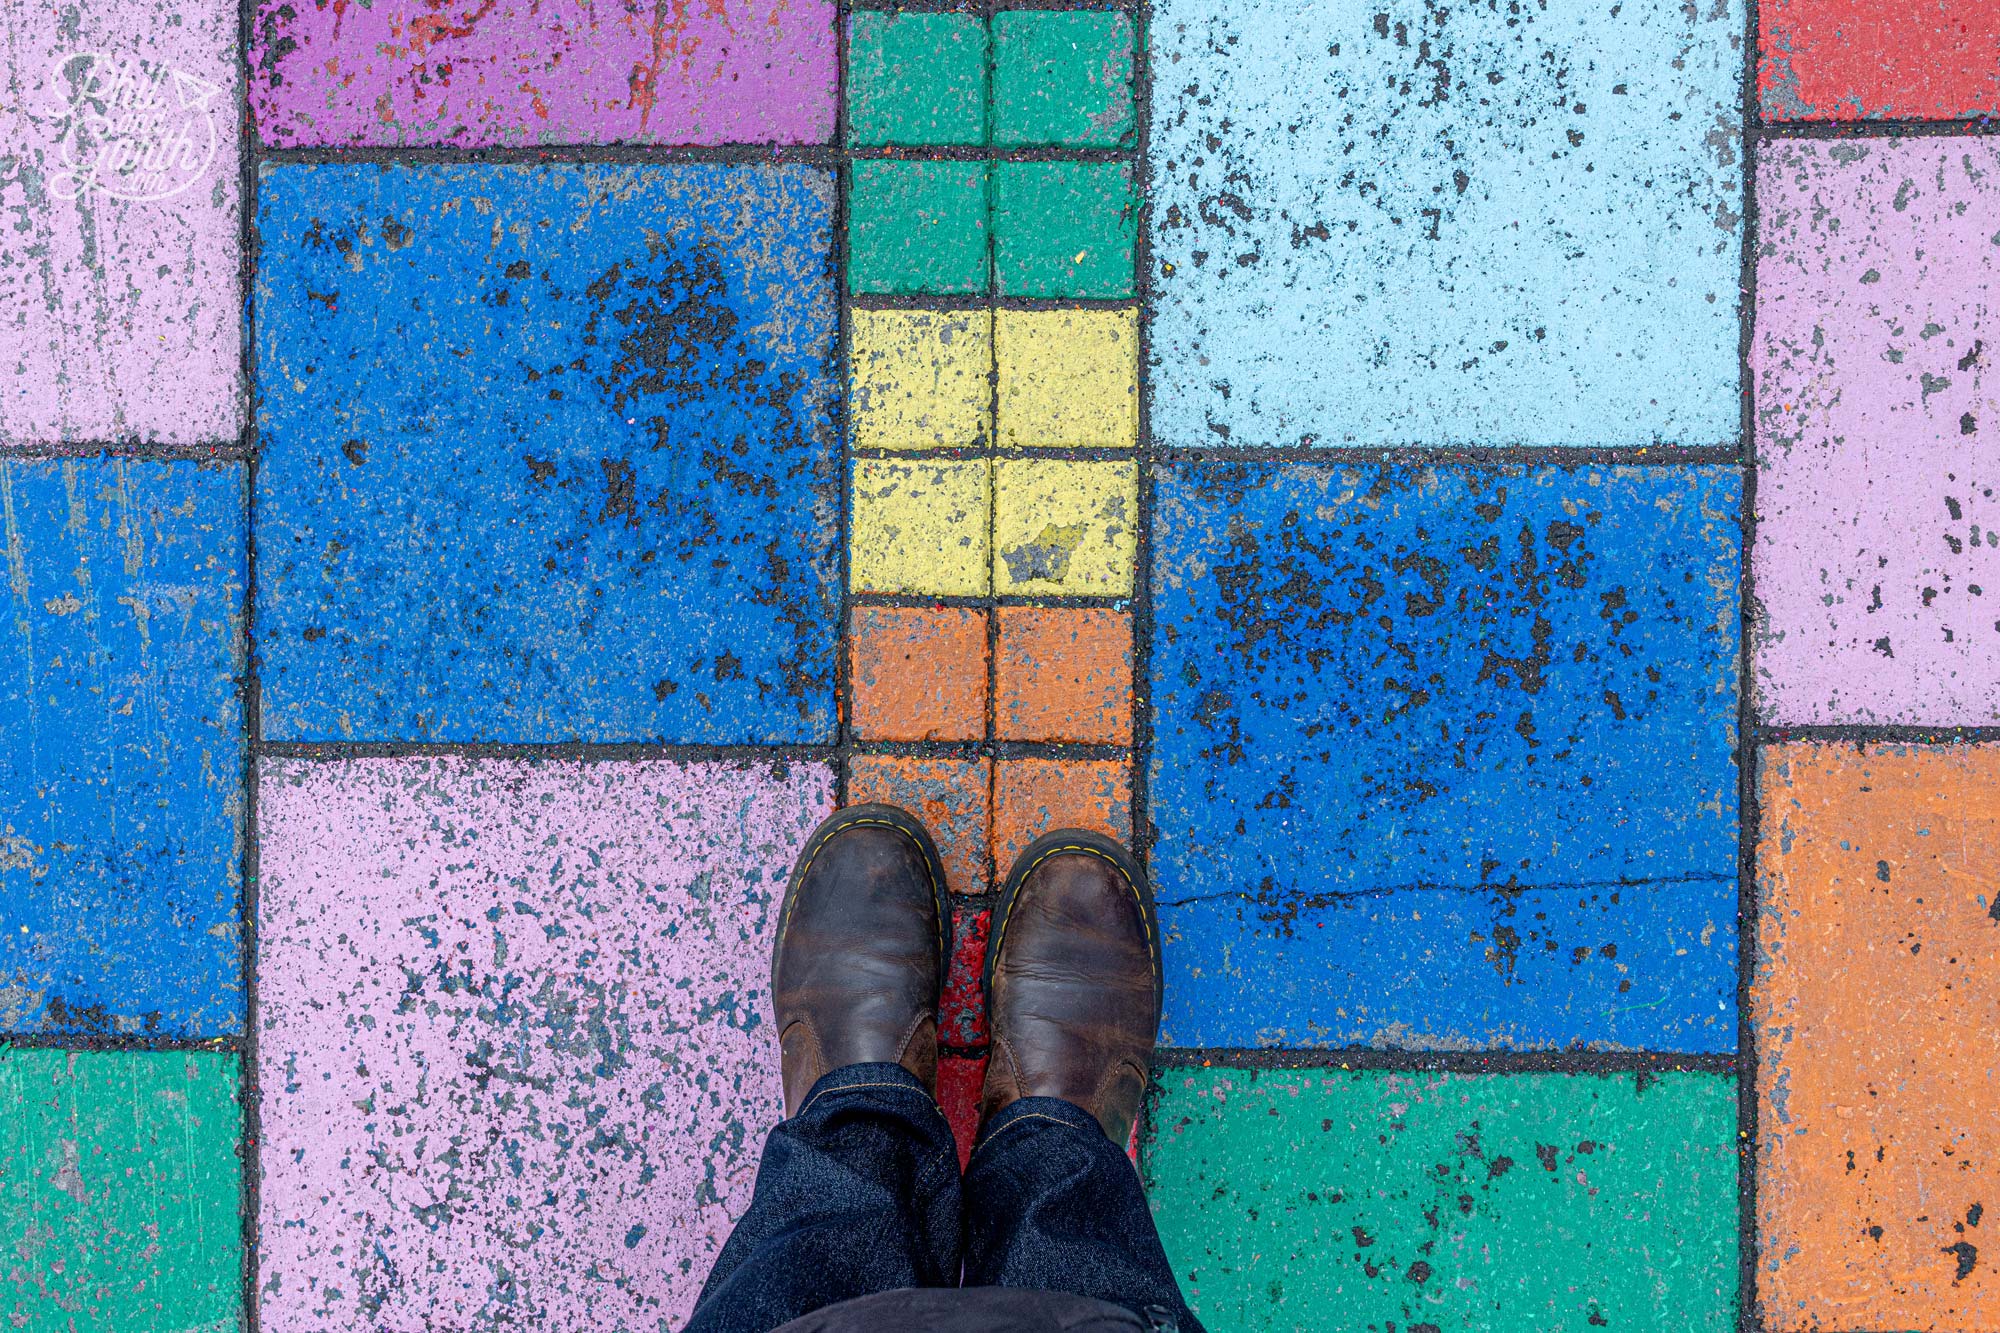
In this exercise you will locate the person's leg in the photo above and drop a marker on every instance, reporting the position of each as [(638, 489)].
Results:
[(858, 1189), (1073, 989)]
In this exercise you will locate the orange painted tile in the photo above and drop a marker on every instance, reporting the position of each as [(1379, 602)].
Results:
[(1064, 674), (1878, 982), (948, 795), (919, 673), (1032, 796)]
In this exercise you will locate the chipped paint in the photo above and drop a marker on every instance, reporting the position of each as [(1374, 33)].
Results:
[(1869, 59)]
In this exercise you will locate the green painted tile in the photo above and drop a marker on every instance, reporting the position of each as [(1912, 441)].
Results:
[(120, 1191), (1062, 77), (916, 78), (1064, 228), (1338, 1202), (917, 227)]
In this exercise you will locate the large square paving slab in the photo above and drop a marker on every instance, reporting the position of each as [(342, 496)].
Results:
[(514, 1043), (548, 454)]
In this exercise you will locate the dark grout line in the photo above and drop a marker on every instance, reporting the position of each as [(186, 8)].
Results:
[(99, 1043), (559, 155), (220, 451), (992, 747), (1748, 815), (1775, 733), (843, 425), (573, 751), (922, 601), (983, 153), (1505, 455), (1081, 453), (1887, 128), (956, 302), (1572, 1061), (1138, 780)]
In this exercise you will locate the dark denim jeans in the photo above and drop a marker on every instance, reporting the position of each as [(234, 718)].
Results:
[(860, 1193)]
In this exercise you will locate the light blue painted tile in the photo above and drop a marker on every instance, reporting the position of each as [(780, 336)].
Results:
[(1409, 224)]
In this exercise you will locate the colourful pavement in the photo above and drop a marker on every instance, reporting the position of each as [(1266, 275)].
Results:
[(1495, 500)]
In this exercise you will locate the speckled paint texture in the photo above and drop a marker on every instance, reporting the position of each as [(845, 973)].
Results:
[(1877, 559), (1421, 224), (1878, 977), (1878, 59), (471, 73), (120, 305), (515, 1047), (121, 747), (1330, 1201), (1501, 703), (635, 366), (120, 1192)]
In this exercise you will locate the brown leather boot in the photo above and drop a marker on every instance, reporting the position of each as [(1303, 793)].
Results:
[(1073, 981), (862, 940)]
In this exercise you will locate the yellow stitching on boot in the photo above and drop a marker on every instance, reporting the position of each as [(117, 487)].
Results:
[(1000, 940), (791, 900)]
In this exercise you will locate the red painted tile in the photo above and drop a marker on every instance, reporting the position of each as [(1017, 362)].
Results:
[(1032, 796), (962, 1020), (919, 673), (948, 795), (959, 1082), (1852, 59), (1064, 674)]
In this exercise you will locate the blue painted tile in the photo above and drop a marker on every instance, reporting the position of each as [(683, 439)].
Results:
[(549, 453), (121, 747), (1424, 224), (1446, 758)]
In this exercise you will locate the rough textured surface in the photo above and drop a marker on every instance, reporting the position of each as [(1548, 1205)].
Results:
[(1877, 562), (1063, 674), (921, 527), (1065, 527), (1326, 1200), (119, 1191), (920, 379), (962, 1015), (120, 314), (1853, 59), (917, 228), (1063, 79), (1064, 229), (1423, 224), (1877, 981), (916, 78), (1504, 701), (1067, 378), (919, 673), (467, 73), (515, 1050), (635, 365), (1033, 796), (951, 796), (121, 767)]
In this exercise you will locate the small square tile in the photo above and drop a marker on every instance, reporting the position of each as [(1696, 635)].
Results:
[(917, 228), (1878, 59), (919, 673), (1063, 674), (920, 526), (1064, 229), (920, 379), (962, 1012), (950, 796), (961, 1080), (1033, 796), (1068, 377), (1878, 978), (916, 78), (1062, 78), (1877, 553), (1065, 527), (123, 1190)]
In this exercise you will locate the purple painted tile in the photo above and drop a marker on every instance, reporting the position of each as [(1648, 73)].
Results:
[(515, 1053), (120, 309), (474, 72), (1878, 541)]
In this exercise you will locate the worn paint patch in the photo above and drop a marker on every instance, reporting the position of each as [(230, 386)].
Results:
[(120, 307), (1503, 701), (635, 366), (920, 379), (1063, 78), (1421, 224), (121, 771), (515, 1051), (1877, 980), (1063, 674), (920, 527), (119, 1181), (1068, 378), (962, 1010), (951, 796), (1877, 557), (919, 673), (522, 72), (1333, 1200), (1856, 59), (1034, 796), (1065, 527)]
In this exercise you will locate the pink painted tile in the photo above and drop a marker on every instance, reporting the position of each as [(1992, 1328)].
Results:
[(514, 1047), (474, 72), (1877, 558), (120, 309)]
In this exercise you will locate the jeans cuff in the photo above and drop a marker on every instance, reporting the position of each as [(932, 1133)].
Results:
[(871, 1079), (1044, 1109)]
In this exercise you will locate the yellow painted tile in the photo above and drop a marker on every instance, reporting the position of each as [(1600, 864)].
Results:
[(920, 526), (1069, 377), (920, 379), (1065, 528)]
